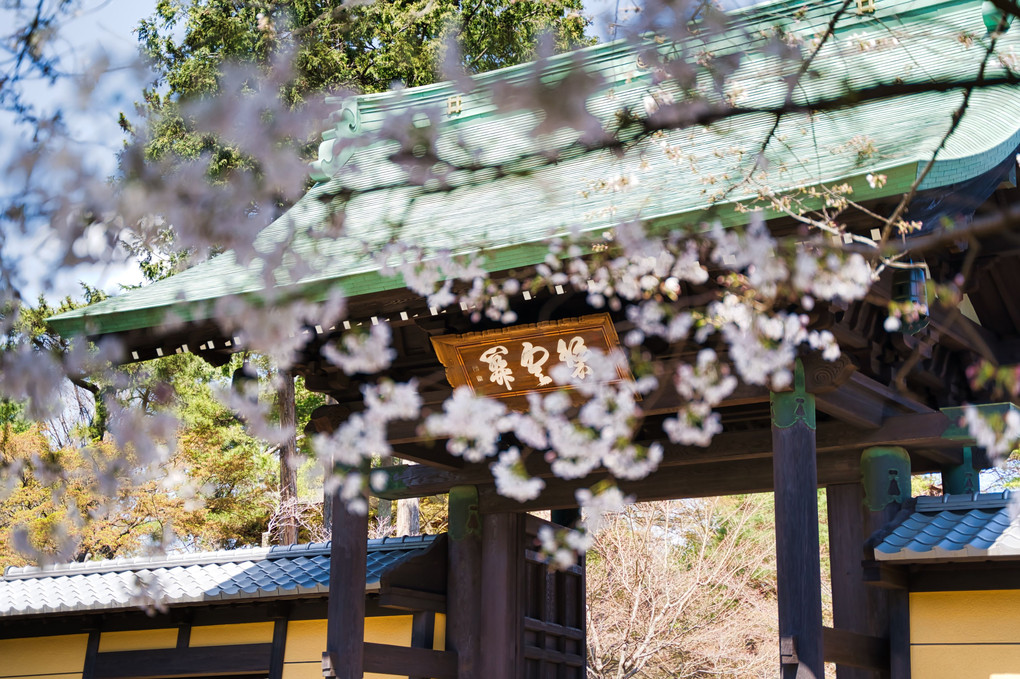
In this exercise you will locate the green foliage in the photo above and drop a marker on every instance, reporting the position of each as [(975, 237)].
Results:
[(12, 418), (329, 46)]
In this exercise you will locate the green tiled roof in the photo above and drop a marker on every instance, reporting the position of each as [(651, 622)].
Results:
[(510, 217)]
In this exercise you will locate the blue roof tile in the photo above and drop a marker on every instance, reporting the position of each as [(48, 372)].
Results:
[(954, 528), (186, 578)]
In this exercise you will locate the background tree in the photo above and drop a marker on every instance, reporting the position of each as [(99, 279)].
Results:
[(330, 47), (684, 588)]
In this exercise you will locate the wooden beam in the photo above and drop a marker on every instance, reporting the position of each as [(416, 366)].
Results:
[(880, 574), (423, 629), (859, 651), (956, 577), (184, 634), (866, 403), (899, 634), (412, 600), (921, 433), (184, 662), (409, 661), (798, 574), (423, 634), (345, 626), (704, 480)]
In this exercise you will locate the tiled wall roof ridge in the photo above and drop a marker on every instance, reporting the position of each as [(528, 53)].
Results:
[(964, 502), (222, 556)]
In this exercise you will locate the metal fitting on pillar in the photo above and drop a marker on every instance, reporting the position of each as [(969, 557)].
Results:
[(885, 475)]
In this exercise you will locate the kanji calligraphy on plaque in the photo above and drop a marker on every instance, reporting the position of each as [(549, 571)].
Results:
[(509, 363)]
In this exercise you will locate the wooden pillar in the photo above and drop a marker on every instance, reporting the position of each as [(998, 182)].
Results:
[(91, 651), (501, 624), (885, 471), (464, 583), (345, 627), (276, 657), (856, 607), (797, 564), (899, 633)]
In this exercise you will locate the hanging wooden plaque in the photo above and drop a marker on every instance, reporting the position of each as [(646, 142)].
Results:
[(509, 363)]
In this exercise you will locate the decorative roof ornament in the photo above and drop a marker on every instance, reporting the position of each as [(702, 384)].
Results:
[(996, 21), (333, 153)]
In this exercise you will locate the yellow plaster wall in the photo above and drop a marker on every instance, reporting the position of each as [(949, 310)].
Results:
[(965, 635), (439, 640), (226, 635), (54, 657), (306, 640), (62, 657), (137, 640)]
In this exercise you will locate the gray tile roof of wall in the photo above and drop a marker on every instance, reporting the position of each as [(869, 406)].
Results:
[(955, 528), (240, 574)]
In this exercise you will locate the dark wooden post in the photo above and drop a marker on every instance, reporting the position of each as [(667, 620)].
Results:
[(500, 598), (856, 607), (799, 584), (345, 627), (899, 633), (276, 656), (885, 471), (464, 583), (91, 651)]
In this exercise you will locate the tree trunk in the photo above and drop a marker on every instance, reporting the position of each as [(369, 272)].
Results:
[(327, 501), (288, 459), (408, 517)]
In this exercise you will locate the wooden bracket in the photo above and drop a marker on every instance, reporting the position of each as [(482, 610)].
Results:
[(850, 649), (788, 651), (329, 665), (878, 574)]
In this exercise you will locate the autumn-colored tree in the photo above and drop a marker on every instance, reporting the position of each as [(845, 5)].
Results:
[(57, 502)]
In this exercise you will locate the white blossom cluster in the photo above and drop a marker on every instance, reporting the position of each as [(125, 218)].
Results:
[(363, 436), (561, 546), (367, 353), (999, 439), (472, 424), (737, 289), (277, 328), (512, 478)]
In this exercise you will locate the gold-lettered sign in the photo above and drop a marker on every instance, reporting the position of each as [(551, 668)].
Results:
[(509, 363)]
